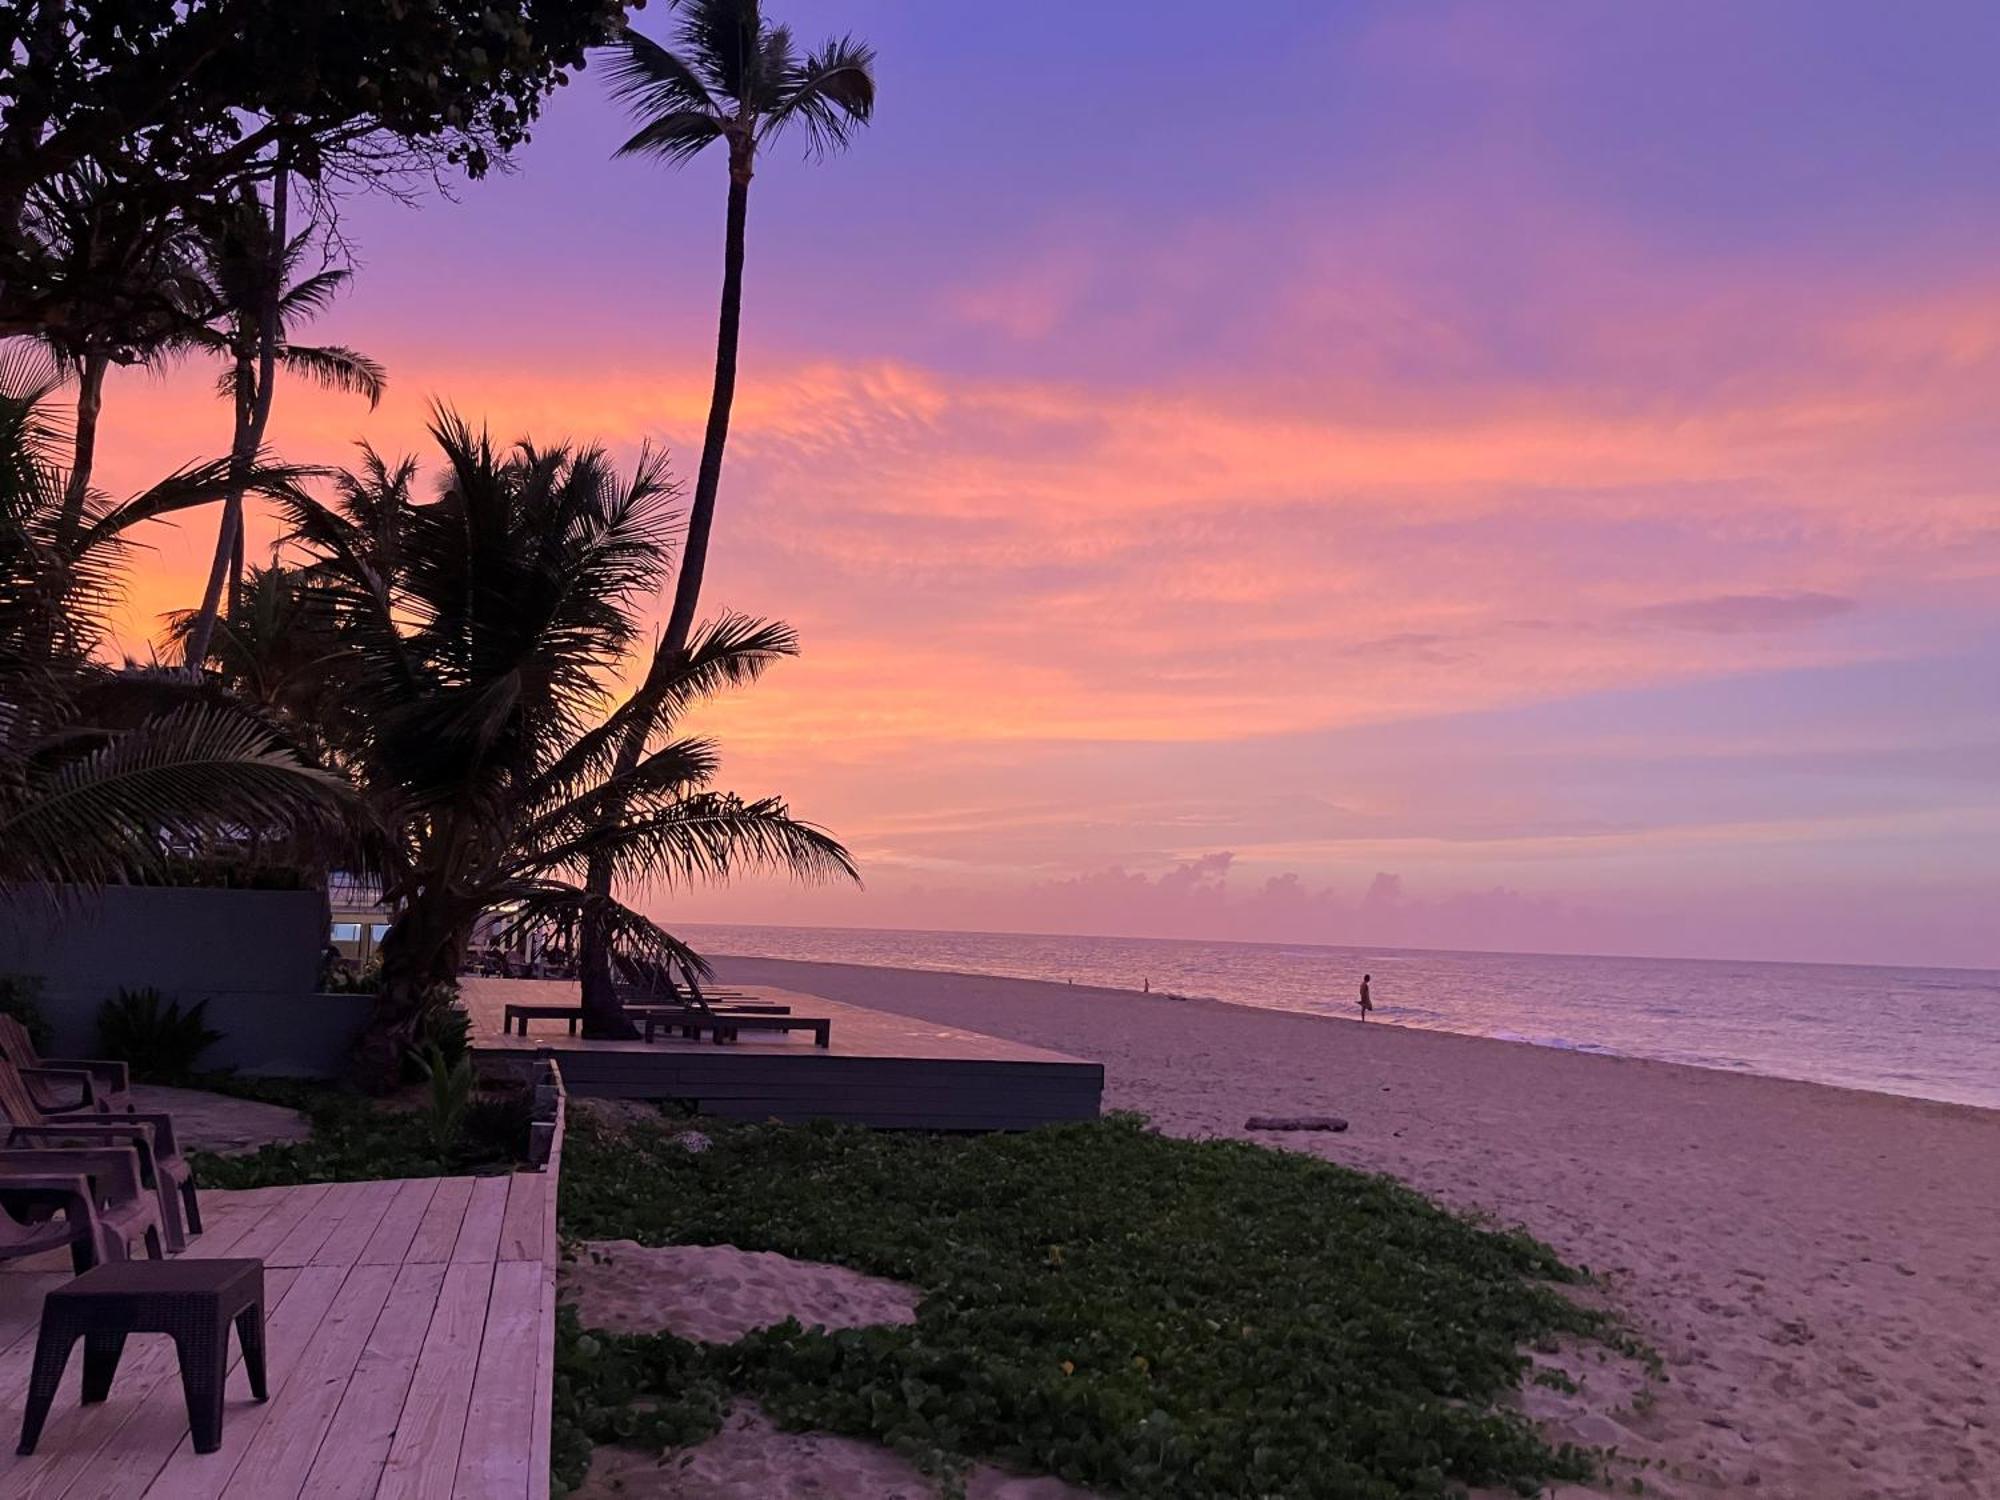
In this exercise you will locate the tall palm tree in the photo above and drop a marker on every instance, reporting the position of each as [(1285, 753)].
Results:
[(736, 79), (118, 288), (248, 265), (103, 775), (483, 632)]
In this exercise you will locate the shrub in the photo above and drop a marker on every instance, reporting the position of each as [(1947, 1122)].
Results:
[(448, 1098), (443, 1026), (497, 1121), (160, 1041), (21, 998), (367, 980), (354, 1139)]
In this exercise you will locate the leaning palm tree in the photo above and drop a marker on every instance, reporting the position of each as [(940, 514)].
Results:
[(249, 264), (104, 776), (484, 632), (735, 78)]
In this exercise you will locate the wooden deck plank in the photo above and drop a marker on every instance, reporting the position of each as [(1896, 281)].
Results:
[(21, 1309), (113, 1450), (349, 1465), (76, 1433), (479, 1236), (540, 1433), (157, 1436), (268, 1448), (493, 1461), (266, 1235), (437, 1233), (522, 1218), (423, 1457), (364, 1216), (316, 1228), (390, 1244)]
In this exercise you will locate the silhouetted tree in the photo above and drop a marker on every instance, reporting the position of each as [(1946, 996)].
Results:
[(737, 80)]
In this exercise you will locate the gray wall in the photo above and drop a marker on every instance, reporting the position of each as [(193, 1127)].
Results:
[(253, 955)]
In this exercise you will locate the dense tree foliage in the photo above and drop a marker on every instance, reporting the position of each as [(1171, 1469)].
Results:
[(179, 101)]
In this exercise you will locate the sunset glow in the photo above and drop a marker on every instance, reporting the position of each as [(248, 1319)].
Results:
[(1440, 480)]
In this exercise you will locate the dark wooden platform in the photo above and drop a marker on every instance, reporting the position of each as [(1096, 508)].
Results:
[(881, 1070)]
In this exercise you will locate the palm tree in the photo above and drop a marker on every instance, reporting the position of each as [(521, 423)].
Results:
[(248, 265), (483, 634), (105, 775), (118, 288), (736, 79)]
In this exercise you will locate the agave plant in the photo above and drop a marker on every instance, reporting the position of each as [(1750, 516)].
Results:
[(484, 633)]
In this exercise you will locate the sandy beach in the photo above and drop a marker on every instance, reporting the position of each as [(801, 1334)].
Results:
[(1819, 1268)]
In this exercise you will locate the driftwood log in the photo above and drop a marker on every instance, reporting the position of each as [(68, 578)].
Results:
[(1295, 1122)]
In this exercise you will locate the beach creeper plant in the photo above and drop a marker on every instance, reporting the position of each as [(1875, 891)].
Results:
[(1149, 1317)]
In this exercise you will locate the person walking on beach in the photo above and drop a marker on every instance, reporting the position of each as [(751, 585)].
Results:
[(1367, 1003)]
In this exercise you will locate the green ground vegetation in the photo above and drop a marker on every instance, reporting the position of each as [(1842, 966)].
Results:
[(359, 1139), (1141, 1315)]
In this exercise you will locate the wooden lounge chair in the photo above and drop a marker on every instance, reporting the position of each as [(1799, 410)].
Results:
[(66, 1085), (161, 1164), (516, 1017), (696, 1015), (92, 1202)]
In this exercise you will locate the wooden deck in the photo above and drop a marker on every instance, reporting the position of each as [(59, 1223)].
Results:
[(882, 1070), (410, 1338)]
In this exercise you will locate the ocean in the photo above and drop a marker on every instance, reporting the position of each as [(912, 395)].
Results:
[(1931, 1033)]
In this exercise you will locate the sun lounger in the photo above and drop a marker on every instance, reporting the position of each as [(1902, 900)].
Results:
[(92, 1202), (66, 1085), (691, 1022), (517, 1017), (151, 1136)]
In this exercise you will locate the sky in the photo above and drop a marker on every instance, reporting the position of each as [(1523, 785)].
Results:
[(1518, 475)]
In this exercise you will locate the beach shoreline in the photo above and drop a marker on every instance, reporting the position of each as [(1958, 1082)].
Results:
[(1382, 1018), (1818, 1267)]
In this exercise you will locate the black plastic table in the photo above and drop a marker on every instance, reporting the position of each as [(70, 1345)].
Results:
[(191, 1301)]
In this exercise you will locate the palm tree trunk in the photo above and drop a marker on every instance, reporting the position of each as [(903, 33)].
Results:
[(253, 415), (603, 1014), (242, 450), (421, 956), (83, 453)]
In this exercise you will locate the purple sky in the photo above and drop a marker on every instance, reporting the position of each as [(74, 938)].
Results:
[(1515, 475)]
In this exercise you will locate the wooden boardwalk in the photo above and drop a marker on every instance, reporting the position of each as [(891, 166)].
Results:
[(410, 1337), (883, 1070)]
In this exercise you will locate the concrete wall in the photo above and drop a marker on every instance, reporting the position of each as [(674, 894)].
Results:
[(253, 955)]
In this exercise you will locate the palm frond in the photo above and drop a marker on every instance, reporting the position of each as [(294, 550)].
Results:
[(829, 95), (309, 298), (706, 838), (731, 651), (673, 138), (115, 812), (338, 369), (722, 39), (558, 911), (650, 80)]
